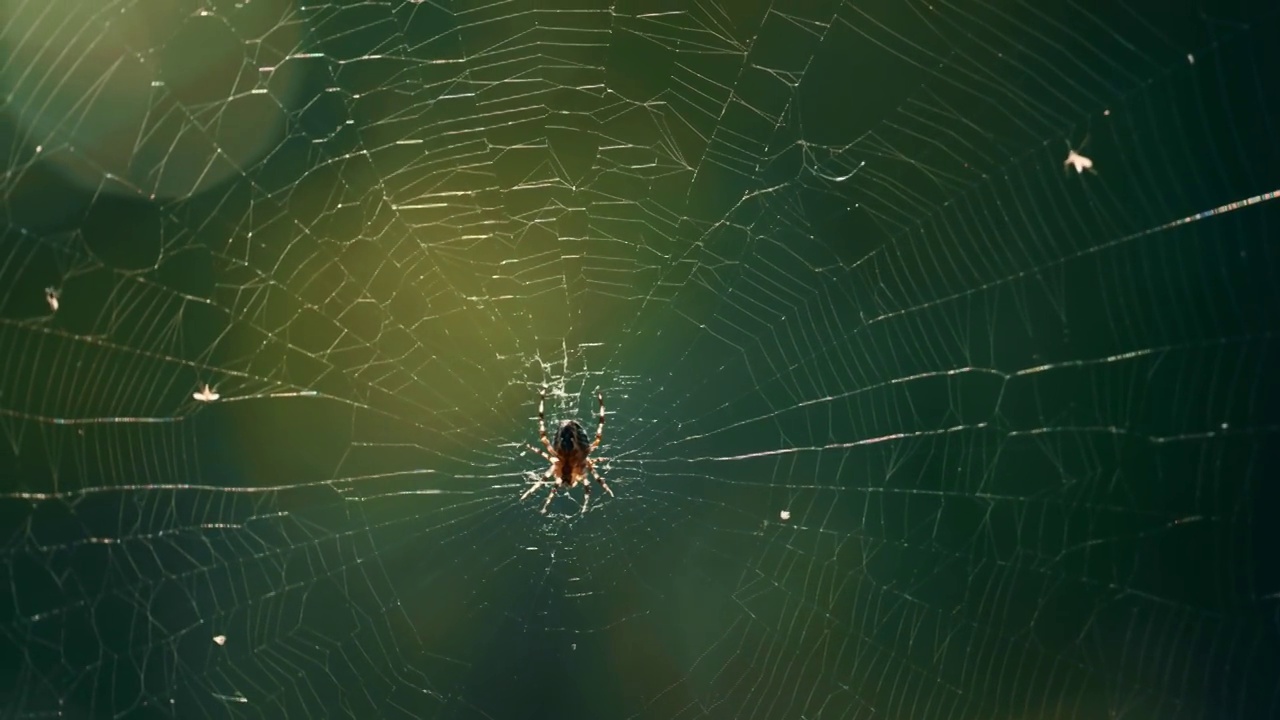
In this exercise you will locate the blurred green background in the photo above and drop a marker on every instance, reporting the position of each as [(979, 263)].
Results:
[(907, 419)]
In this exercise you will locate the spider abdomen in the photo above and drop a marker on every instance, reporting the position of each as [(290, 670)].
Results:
[(571, 437)]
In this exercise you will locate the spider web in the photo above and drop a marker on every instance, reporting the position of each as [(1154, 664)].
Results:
[(907, 418)]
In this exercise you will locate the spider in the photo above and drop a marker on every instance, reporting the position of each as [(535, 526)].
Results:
[(568, 457)]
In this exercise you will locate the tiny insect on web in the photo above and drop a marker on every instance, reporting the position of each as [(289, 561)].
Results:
[(1080, 162), (569, 455)]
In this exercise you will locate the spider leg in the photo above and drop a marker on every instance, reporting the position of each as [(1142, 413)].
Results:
[(545, 479), (586, 495), (592, 467), (542, 421), (539, 453), (550, 496), (600, 427)]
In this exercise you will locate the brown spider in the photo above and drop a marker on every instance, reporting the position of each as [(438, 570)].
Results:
[(568, 457)]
